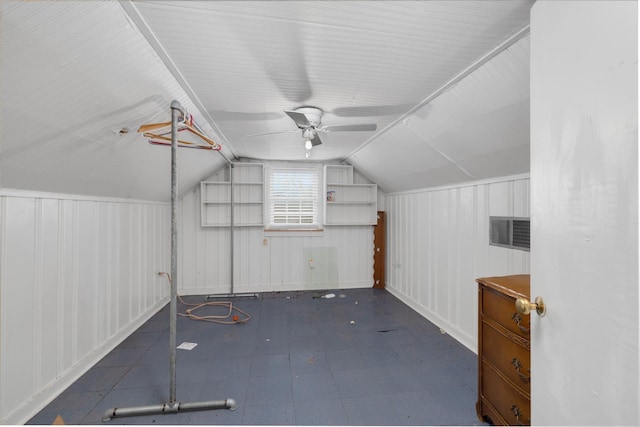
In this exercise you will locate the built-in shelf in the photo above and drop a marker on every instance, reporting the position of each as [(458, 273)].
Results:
[(248, 197), (347, 203)]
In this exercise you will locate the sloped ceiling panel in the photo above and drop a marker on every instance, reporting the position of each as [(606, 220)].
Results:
[(74, 74), (401, 155), (479, 129), (361, 62)]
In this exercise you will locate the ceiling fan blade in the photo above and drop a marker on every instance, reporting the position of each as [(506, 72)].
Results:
[(315, 140), (272, 133), (285, 62), (299, 118), (375, 110), (343, 128), (244, 116)]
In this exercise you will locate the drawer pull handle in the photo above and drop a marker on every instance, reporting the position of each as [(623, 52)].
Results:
[(517, 318), (516, 364), (516, 411)]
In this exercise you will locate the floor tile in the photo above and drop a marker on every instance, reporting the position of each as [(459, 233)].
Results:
[(311, 387), (398, 379), (98, 379), (269, 365), (270, 390), (320, 413), (356, 383), (381, 356), (371, 410), (308, 362), (343, 360), (270, 414), (143, 376), (121, 356)]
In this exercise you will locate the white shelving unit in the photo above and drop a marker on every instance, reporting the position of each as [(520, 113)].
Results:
[(215, 203), (347, 203), (248, 198)]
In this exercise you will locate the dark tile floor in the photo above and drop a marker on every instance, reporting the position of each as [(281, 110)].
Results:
[(360, 358)]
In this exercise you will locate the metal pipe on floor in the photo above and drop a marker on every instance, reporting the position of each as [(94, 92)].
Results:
[(247, 295), (168, 408)]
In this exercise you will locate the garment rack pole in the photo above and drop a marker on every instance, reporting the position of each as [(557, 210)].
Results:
[(172, 407), (176, 110), (232, 230), (232, 227)]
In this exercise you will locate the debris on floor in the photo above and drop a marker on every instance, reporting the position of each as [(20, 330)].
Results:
[(187, 345)]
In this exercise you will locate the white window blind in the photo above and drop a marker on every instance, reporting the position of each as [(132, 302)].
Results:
[(293, 198)]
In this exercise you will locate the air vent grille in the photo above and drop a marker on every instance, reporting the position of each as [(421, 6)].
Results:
[(520, 236), (509, 232)]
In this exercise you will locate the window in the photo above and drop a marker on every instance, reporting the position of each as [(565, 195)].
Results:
[(293, 198), (509, 232)]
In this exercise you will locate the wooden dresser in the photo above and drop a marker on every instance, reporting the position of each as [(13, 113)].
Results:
[(503, 351)]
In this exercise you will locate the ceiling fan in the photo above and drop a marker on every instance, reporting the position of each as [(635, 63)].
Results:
[(308, 120)]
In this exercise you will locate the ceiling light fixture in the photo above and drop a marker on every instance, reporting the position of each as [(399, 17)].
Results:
[(308, 134)]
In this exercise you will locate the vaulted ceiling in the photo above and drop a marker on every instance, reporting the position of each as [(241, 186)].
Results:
[(445, 82)]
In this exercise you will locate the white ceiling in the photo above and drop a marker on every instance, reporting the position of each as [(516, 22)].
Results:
[(446, 83)]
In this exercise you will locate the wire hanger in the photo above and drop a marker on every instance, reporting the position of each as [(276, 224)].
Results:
[(164, 140), (160, 138)]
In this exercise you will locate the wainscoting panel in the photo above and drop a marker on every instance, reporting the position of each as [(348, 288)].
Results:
[(438, 244), (77, 275)]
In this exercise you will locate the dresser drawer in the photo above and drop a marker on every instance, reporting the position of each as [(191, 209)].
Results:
[(509, 356), (511, 404), (502, 310)]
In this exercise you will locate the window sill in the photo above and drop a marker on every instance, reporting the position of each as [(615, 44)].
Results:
[(315, 232)]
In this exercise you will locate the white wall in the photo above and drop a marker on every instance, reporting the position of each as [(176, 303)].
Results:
[(77, 275), (343, 256), (438, 244)]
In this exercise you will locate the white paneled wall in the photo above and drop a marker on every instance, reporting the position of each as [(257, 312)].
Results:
[(77, 276), (342, 257), (438, 244)]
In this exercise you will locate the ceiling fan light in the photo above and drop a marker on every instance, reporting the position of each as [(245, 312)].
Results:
[(308, 133), (308, 145)]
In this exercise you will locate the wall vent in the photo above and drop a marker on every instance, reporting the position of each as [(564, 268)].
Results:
[(509, 232)]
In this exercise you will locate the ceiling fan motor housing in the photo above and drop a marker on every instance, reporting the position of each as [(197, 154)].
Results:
[(313, 115)]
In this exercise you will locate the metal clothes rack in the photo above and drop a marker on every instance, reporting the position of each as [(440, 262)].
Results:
[(172, 407)]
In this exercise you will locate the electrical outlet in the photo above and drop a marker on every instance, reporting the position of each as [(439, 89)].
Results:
[(265, 241)]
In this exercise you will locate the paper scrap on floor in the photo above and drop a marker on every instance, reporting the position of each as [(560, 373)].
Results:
[(187, 345)]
